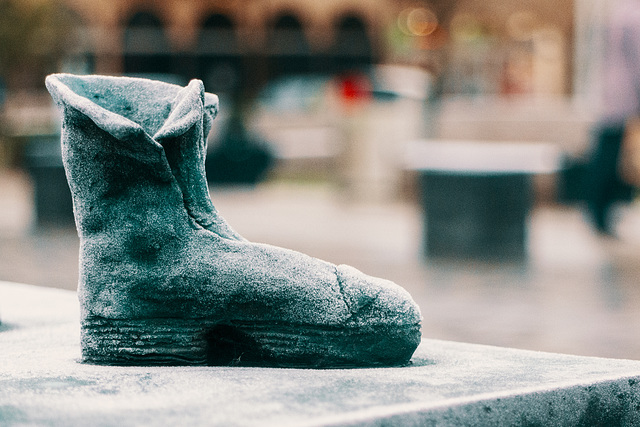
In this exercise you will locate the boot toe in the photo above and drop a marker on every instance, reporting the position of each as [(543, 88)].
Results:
[(376, 302)]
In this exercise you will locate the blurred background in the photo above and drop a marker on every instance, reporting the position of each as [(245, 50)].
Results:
[(445, 145)]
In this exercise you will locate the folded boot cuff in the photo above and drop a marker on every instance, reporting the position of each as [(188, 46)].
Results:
[(188, 107)]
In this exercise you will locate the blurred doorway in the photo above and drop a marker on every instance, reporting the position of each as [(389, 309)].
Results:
[(289, 51), (146, 48), (352, 49), (219, 62)]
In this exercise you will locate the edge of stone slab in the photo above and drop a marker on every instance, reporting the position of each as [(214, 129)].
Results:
[(608, 402)]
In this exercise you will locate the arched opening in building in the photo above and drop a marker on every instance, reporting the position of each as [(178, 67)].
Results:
[(289, 51), (219, 63), (352, 49), (146, 48)]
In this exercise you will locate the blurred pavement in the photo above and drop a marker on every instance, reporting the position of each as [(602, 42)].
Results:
[(578, 293)]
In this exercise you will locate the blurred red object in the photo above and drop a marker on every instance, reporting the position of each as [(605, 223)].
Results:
[(354, 88)]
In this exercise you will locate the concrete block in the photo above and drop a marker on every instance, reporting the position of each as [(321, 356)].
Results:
[(448, 383)]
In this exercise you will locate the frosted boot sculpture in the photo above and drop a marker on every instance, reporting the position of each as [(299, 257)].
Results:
[(164, 279)]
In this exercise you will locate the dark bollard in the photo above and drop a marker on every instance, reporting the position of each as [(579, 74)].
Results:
[(476, 216), (240, 158), (52, 198)]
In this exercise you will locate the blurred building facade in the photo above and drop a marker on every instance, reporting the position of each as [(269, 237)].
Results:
[(500, 49), (228, 44), (503, 46)]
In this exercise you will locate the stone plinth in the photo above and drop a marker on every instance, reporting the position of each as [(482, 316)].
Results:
[(41, 383)]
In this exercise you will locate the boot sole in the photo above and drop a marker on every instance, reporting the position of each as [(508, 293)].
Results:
[(150, 342)]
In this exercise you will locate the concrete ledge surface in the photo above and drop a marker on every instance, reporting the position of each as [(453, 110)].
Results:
[(42, 383)]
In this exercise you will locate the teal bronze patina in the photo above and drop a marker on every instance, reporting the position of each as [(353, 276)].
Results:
[(165, 280)]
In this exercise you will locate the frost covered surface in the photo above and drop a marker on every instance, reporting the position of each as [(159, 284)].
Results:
[(153, 246), (42, 383)]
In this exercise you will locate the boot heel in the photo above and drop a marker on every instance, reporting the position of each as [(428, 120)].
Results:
[(143, 342)]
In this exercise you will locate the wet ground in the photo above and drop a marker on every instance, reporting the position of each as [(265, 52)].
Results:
[(577, 293)]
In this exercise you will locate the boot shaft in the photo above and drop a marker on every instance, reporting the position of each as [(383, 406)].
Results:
[(134, 150)]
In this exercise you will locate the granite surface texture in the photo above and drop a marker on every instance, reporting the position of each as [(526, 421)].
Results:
[(43, 383)]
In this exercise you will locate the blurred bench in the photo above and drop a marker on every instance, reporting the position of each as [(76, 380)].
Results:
[(477, 195)]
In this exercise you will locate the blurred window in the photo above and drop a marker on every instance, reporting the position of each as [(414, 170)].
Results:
[(218, 54), (146, 48), (352, 49), (288, 48)]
